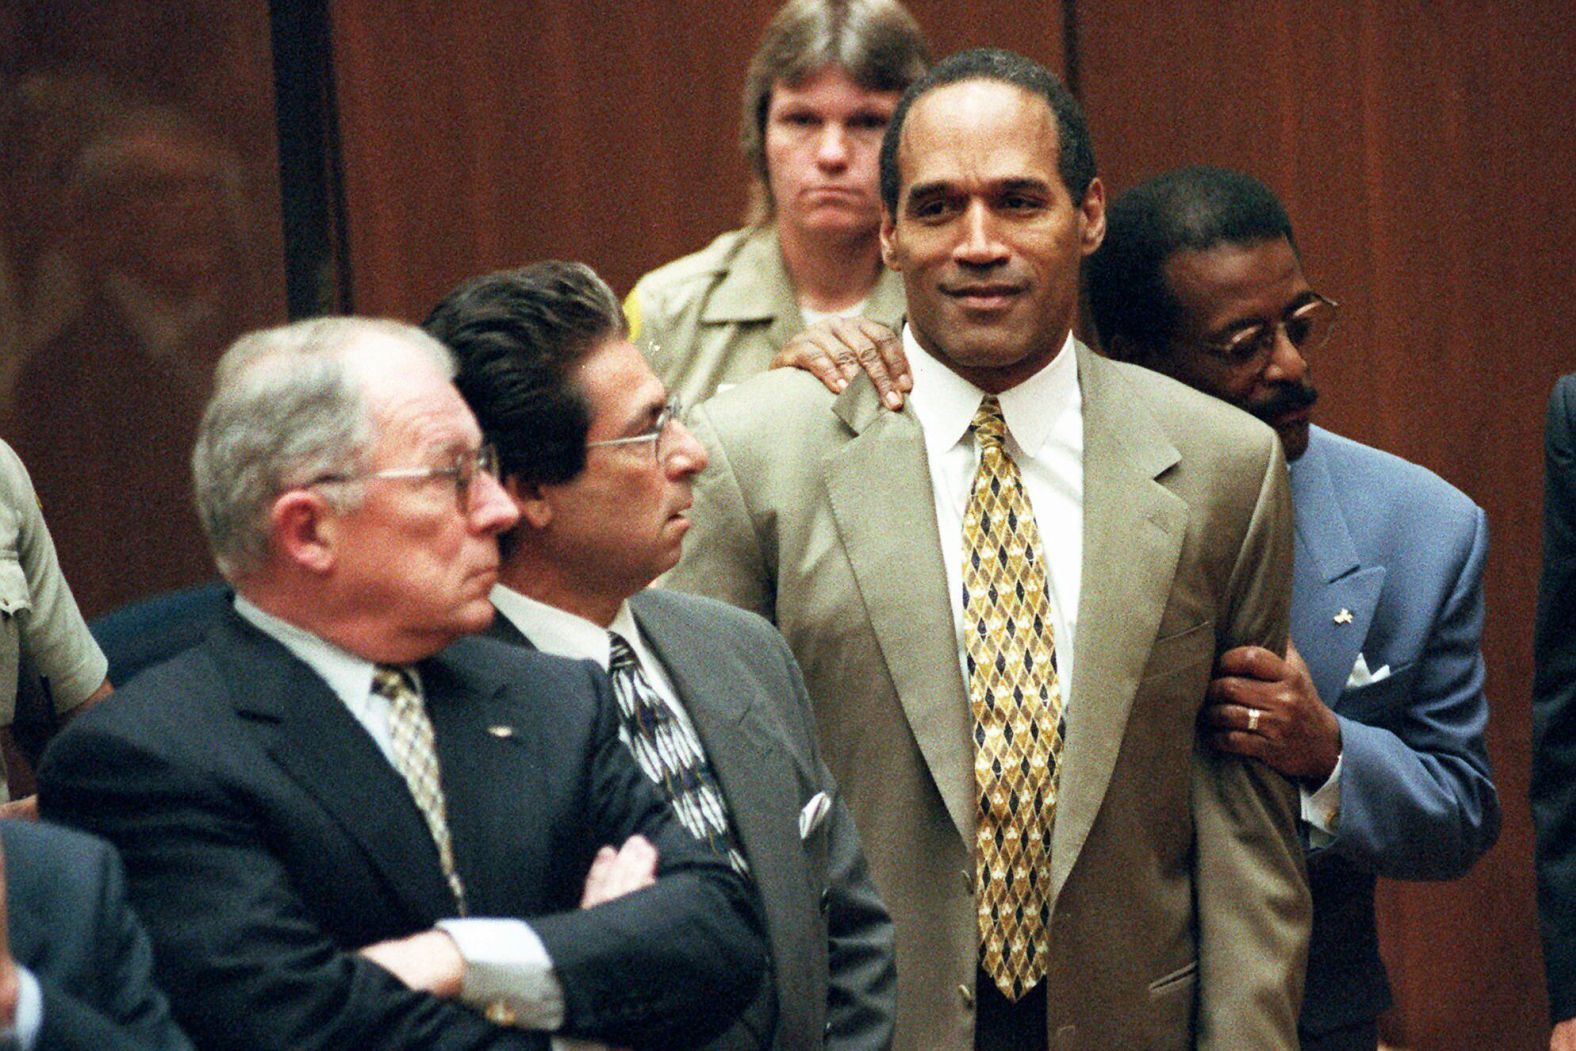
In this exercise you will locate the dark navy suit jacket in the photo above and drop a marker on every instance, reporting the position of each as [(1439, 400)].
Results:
[(1554, 706), (267, 838), (69, 924)]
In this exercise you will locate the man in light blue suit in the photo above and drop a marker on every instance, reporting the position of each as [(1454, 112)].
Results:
[(1378, 709)]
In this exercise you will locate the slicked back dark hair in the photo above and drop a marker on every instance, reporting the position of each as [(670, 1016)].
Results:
[(1075, 161), (1189, 209), (516, 335)]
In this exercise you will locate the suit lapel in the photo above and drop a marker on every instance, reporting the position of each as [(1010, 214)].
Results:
[(491, 786), (1132, 537), (888, 529), (1329, 580), (313, 737)]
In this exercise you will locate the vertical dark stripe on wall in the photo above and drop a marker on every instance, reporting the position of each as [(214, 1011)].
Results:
[(316, 265), (1070, 44)]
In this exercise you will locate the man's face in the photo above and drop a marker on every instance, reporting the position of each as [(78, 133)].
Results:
[(413, 566), (620, 523), (823, 142), (986, 235), (1226, 289)]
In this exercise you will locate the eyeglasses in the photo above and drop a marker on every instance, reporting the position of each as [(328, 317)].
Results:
[(1307, 326), (462, 471), (671, 412)]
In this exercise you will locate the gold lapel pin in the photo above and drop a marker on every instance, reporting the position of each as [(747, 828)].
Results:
[(501, 731), (1344, 617)]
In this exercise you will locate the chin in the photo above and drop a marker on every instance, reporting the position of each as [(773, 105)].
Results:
[(834, 219), (474, 616), (1294, 440)]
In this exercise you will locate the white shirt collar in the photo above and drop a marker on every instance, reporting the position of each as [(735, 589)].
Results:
[(945, 402), (349, 676), (564, 634)]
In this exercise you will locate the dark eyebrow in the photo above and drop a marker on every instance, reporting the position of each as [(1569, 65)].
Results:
[(928, 189), (1039, 186)]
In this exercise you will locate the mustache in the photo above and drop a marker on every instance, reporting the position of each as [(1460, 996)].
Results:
[(1286, 399)]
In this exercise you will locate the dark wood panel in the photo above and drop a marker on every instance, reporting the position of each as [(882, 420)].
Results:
[(1425, 153), (139, 234), (489, 135)]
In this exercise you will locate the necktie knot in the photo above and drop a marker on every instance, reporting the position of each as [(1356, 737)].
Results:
[(396, 683), (620, 656), (989, 426)]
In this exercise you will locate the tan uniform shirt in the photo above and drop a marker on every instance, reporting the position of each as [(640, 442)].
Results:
[(719, 316), (38, 616)]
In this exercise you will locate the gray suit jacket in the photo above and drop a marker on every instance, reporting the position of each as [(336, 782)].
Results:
[(1180, 907), (831, 939)]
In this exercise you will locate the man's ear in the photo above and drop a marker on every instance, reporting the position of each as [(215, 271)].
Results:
[(533, 501), (305, 530), (1091, 213), (888, 240)]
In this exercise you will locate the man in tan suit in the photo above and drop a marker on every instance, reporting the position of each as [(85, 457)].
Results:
[(1007, 600)]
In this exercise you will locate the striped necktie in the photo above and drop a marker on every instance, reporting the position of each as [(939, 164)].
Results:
[(670, 754)]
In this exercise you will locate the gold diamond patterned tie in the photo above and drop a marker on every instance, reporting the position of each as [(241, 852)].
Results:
[(416, 758), (1017, 708)]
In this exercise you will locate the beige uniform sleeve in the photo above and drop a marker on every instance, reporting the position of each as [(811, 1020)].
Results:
[(38, 615)]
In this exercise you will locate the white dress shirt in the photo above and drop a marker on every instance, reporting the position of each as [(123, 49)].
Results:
[(1044, 417), (506, 964), (564, 634)]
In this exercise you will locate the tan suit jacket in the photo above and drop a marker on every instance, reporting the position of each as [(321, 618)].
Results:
[(718, 316), (1180, 906)]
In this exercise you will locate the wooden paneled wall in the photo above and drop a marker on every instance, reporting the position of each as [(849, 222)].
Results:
[(139, 234), (479, 136)]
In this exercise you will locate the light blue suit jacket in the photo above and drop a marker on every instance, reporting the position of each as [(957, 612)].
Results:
[(1402, 552)]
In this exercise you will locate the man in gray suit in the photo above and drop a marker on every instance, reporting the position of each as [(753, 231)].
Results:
[(1065, 864), (712, 703)]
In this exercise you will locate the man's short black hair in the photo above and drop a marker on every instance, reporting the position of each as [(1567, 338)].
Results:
[(516, 335), (1190, 209), (1075, 162)]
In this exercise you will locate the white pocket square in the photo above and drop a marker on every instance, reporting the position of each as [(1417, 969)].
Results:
[(813, 813), (1361, 676)]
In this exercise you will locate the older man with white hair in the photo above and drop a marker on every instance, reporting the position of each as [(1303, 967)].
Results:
[(335, 822)]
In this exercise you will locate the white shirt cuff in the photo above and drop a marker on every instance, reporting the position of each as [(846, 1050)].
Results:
[(508, 974), (1321, 808), (29, 1013)]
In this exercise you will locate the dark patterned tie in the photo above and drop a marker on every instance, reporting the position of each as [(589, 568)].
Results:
[(670, 754), (416, 758), (1017, 707)]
